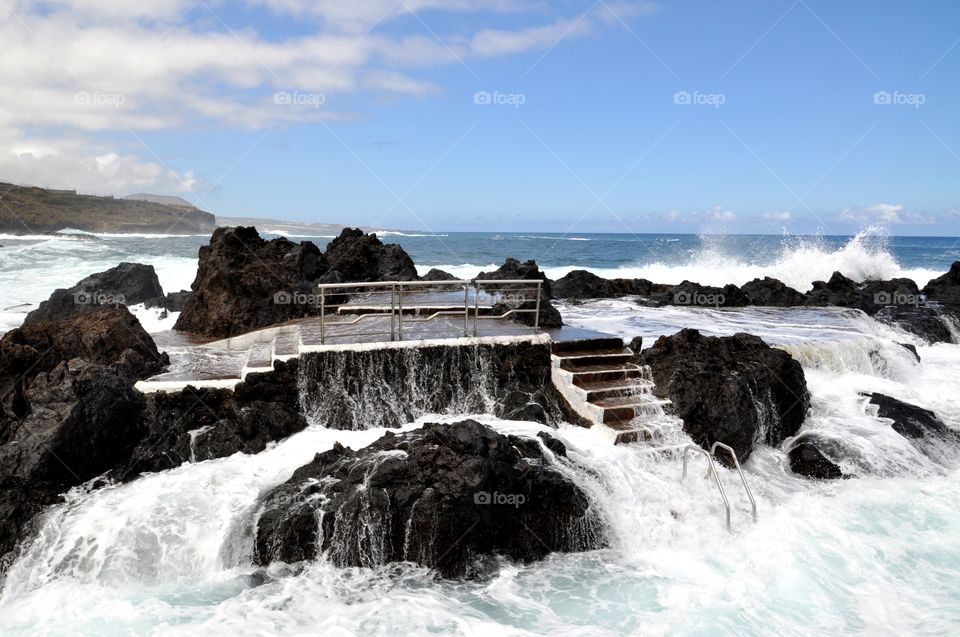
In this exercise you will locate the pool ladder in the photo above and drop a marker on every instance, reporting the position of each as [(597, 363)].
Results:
[(712, 470)]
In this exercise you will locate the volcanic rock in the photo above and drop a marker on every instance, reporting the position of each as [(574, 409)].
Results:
[(245, 282), (363, 257), (771, 293), (448, 497), (736, 390)]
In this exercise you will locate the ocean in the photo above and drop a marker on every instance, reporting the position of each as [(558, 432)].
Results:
[(873, 555)]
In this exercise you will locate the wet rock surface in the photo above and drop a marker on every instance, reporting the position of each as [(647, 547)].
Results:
[(109, 336), (363, 257), (199, 424), (736, 390), (448, 497), (771, 292), (125, 284), (245, 282), (807, 458), (911, 421)]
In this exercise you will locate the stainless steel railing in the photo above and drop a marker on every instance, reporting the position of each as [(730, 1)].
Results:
[(712, 472), (393, 300)]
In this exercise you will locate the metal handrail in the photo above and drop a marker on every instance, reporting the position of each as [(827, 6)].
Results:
[(743, 479), (716, 476), (396, 311)]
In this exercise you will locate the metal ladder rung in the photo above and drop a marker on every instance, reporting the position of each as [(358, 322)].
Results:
[(712, 469)]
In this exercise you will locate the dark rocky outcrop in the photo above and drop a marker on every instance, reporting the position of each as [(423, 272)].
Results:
[(945, 289), (363, 257), (245, 282), (361, 389), (911, 421), (447, 497), (737, 390), (925, 321), (839, 290), (807, 458), (109, 336), (172, 301), (581, 284), (513, 269), (81, 418), (125, 284), (198, 424), (772, 293), (696, 295), (438, 275)]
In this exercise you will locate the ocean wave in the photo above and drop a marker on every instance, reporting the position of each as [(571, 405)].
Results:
[(288, 233), (126, 235), (799, 263), (397, 233)]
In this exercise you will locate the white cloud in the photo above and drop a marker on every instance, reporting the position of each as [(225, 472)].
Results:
[(874, 213), (719, 213), (91, 66), (777, 216), (75, 162)]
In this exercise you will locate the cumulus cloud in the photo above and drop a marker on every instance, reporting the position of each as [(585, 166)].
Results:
[(874, 213), (776, 216), (76, 162), (719, 213)]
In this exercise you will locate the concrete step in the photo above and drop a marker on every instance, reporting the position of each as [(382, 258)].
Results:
[(629, 407), (598, 390), (561, 348), (260, 355), (287, 344), (601, 373), (577, 363)]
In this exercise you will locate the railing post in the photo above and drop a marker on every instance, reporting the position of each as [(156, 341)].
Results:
[(323, 314), (393, 311), (476, 305), (536, 317), (400, 313), (466, 309)]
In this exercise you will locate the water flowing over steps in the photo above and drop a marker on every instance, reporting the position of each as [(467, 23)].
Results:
[(603, 383)]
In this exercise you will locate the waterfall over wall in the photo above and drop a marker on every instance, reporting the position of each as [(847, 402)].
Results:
[(368, 388)]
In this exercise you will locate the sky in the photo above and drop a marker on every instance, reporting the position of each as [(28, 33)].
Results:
[(754, 116)]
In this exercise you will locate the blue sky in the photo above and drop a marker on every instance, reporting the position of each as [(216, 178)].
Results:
[(757, 116)]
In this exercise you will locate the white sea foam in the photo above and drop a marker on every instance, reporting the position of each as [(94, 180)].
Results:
[(798, 265)]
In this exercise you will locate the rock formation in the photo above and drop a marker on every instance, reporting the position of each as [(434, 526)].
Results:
[(737, 390), (444, 496)]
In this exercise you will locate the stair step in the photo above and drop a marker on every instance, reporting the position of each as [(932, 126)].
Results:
[(287, 344), (603, 373), (593, 359), (631, 436), (260, 355), (620, 390), (562, 347)]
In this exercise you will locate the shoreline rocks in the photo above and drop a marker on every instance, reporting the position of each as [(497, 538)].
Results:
[(125, 284), (736, 390), (897, 302), (245, 282), (448, 497)]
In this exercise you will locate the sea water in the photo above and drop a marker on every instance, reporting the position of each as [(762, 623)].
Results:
[(169, 553)]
